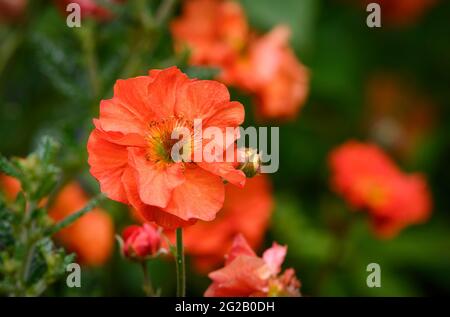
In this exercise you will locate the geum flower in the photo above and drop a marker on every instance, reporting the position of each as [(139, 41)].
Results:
[(91, 237), (369, 180), (130, 147), (270, 71), (246, 210), (217, 34), (141, 242), (214, 31), (245, 274)]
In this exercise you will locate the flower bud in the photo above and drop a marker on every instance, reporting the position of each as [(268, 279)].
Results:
[(250, 161), (141, 242)]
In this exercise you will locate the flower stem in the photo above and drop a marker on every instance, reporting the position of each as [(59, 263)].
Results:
[(181, 274), (148, 288)]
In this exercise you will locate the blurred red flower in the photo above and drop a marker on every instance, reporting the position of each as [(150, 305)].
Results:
[(245, 274), (89, 8), (368, 179), (217, 34), (402, 12), (141, 242), (91, 237), (245, 211), (400, 117), (12, 10), (130, 147)]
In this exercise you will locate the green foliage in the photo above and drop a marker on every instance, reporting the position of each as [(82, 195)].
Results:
[(29, 259)]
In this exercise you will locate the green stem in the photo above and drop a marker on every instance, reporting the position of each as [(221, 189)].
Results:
[(148, 288), (181, 274), (76, 215)]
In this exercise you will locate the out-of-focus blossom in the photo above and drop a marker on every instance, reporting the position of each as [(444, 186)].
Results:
[(130, 147), (91, 237), (141, 242), (245, 274), (398, 116), (265, 66), (9, 186), (271, 71), (12, 10), (89, 8), (368, 179), (402, 12), (214, 31), (245, 211)]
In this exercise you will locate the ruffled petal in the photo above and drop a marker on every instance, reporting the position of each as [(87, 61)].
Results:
[(201, 99), (155, 183), (108, 162), (245, 276), (147, 212), (274, 257), (131, 139), (225, 170), (166, 90), (239, 247), (201, 196)]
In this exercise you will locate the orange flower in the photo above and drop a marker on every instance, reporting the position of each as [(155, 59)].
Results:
[(245, 211), (214, 31), (246, 274), (368, 179), (91, 237), (10, 186), (271, 71), (403, 12), (130, 147), (217, 34)]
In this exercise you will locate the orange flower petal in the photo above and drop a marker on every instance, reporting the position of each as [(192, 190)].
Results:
[(201, 196), (108, 162)]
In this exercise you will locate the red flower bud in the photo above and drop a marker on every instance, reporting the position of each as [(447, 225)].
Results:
[(141, 242)]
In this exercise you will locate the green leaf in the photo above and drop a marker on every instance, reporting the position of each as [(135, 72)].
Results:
[(9, 168), (47, 150)]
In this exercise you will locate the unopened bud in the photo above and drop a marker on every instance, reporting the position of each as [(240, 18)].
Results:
[(250, 162)]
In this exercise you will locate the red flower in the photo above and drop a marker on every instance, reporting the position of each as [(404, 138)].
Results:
[(130, 147), (246, 274), (369, 179), (141, 242), (89, 8), (12, 10), (245, 211), (403, 12)]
